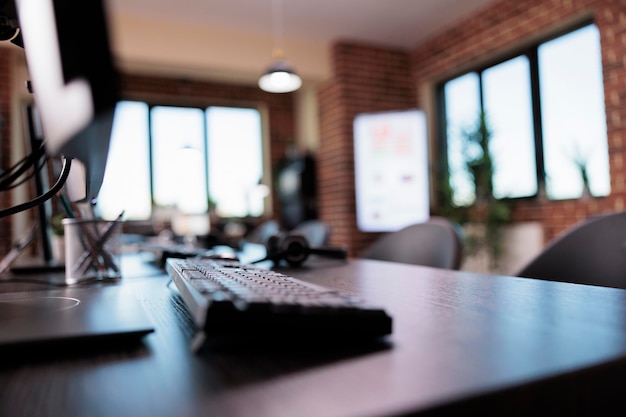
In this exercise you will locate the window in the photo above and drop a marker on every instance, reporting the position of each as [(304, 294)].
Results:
[(183, 158), (178, 167), (572, 110), (545, 111), (126, 185), (235, 164)]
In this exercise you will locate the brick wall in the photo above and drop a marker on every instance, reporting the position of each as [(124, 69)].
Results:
[(6, 63), (365, 79), (507, 25)]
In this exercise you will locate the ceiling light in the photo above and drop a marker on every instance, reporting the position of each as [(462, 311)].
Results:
[(280, 76)]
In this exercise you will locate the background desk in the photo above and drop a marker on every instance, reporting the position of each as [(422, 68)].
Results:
[(461, 343)]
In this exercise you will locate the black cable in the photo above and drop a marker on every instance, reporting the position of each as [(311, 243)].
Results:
[(28, 160), (35, 171), (65, 171), (14, 172)]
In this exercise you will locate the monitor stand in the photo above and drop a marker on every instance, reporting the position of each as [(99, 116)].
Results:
[(46, 263), (27, 265)]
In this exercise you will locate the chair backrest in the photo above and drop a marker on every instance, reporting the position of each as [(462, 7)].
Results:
[(437, 243), (262, 232), (591, 252), (316, 232)]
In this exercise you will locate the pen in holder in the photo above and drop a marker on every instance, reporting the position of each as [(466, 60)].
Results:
[(92, 249)]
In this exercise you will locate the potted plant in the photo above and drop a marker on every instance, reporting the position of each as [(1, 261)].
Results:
[(483, 220)]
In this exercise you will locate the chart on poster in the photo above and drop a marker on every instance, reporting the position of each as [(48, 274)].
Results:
[(391, 169)]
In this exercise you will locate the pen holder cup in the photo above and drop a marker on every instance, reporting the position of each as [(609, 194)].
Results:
[(92, 250)]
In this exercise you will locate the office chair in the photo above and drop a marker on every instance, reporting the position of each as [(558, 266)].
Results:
[(591, 252), (437, 243), (262, 232), (316, 232)]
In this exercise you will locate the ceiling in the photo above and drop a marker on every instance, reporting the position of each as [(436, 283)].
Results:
[(393, 23)]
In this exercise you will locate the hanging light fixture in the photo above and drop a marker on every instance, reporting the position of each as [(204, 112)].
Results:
[(279, 77)]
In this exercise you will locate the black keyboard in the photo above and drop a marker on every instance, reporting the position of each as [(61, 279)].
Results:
[(233, 301)]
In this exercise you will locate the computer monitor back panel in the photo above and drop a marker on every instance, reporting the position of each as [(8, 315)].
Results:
[(73, 81)]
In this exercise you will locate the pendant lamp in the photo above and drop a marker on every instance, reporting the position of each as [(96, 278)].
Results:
[(280, 76)]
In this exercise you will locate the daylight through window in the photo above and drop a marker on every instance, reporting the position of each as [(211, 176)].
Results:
[(183, 158), (545, 111)]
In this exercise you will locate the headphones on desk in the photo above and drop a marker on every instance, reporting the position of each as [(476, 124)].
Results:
[(295, 249)]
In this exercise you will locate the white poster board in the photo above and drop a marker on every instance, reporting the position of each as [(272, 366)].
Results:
[(391, 170)]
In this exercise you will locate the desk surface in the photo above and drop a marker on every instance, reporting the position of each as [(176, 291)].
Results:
[(461, 342)]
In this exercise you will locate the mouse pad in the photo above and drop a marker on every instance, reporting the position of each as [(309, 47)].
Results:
[(70, 314)]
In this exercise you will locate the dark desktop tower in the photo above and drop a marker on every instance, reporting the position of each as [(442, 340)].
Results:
[(297, 189)]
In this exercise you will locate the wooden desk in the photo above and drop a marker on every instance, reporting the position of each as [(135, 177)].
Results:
[(462, 343)]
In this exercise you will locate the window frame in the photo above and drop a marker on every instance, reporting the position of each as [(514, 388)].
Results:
[(203, 107), (531, 53)]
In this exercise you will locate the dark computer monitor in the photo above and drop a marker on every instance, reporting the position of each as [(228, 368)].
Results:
[(74, 83), (75, 90)]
